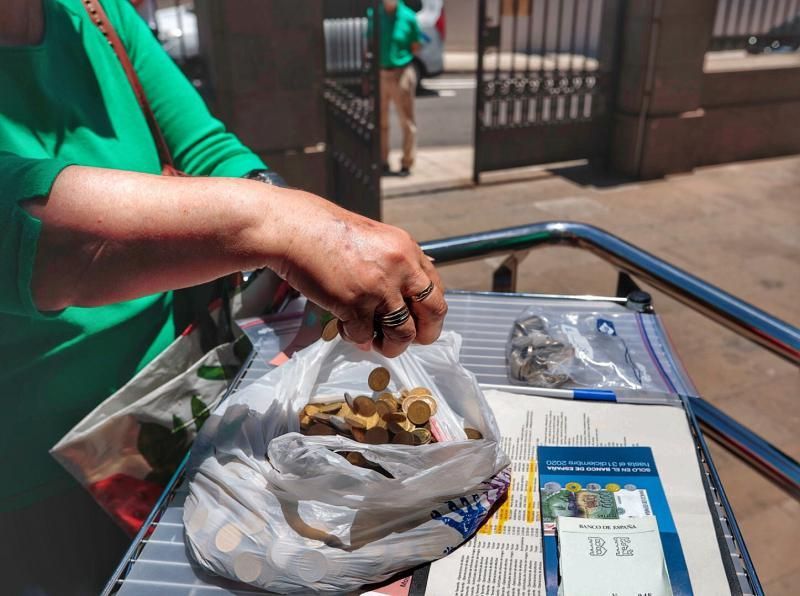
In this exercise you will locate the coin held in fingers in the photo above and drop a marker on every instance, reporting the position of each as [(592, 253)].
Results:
[(330, 330)]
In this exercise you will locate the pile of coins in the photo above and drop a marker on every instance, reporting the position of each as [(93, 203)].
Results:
[(400, 418)]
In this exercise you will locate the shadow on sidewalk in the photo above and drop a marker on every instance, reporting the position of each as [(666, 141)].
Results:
[(443, 169), (592, 175)]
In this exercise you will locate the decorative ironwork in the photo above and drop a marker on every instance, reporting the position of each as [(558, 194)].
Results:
[(351, 94), (543, 63), (758, 26)]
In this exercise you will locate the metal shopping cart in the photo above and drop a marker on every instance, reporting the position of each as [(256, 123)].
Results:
[(157, 561)]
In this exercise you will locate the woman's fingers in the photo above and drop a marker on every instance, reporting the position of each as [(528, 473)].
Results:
[(392, 338), (430, 308), (357, 328)]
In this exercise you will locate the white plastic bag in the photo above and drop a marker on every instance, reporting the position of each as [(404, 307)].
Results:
[(285, 512)]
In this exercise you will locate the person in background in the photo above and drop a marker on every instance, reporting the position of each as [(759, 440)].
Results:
[(400, 39), (93, 241)]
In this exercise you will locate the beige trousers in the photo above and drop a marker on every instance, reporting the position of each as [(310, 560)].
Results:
[(398, 86)]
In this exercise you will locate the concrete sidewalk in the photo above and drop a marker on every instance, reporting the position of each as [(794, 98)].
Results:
[(737, 226)]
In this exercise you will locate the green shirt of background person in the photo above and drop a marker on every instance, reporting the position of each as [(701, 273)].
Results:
[(400, 35), (93, 241)]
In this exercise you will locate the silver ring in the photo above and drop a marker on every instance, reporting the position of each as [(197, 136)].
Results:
[(423, 294), (394, 318)]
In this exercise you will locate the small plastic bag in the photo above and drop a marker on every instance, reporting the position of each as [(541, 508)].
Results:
[(285, 512), (559, 348)]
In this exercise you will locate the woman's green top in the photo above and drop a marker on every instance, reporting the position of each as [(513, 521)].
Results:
[(67, 101)]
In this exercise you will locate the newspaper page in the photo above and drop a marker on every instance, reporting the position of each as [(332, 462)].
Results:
[(505, 557)]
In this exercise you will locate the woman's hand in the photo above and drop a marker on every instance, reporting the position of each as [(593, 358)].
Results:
[(109, 236), (358, 269)]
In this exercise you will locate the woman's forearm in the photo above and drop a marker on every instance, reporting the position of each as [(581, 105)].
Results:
[(109, 236)]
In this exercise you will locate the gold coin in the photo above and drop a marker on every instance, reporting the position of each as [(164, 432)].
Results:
[(363, 406), (305, 421), (320, 429), (395, 417), (403, 438), (420, 391), (310, 409), (371, 421), (357, 459), (419, 412), (376, 436), (330, 330), (355, 423), (389, 400), (329, 408), (395, 427), (228, 538), (379, 379), (473, 433), (421, 436), (383, 408), (404, 424), (420, 398), (345, 411)]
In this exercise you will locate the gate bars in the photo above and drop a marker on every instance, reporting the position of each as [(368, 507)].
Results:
[(545, 81), (352, 102)]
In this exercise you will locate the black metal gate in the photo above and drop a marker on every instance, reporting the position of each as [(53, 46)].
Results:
[(545, 81), (352, 103)]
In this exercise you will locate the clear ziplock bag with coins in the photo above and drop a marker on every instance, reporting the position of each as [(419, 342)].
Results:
[(288, 512), (560, 347)]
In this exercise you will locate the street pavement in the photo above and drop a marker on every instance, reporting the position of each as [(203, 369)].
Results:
[(735, 225), (444, 113)]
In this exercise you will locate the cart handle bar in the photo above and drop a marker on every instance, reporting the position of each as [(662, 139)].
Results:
[(744, 319)]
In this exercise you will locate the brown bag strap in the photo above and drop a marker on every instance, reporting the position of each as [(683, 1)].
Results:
[(101, 20)]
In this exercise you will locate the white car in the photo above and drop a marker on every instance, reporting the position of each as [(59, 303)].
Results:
[(177, 32), (429, 62)]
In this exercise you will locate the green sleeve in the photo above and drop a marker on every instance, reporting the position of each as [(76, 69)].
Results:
[(21, 179), (199, 143)]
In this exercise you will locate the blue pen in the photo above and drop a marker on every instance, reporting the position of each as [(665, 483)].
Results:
[(576, 394)]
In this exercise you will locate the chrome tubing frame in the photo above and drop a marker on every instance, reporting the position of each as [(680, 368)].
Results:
[(744, 319)]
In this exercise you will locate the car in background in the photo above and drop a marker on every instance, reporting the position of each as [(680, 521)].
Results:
[(176, 27), (429, 61)]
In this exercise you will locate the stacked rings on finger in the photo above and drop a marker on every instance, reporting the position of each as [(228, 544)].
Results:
[(394, 318), (423, 294)]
